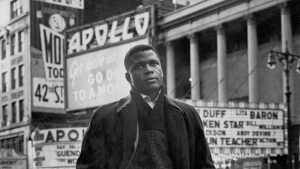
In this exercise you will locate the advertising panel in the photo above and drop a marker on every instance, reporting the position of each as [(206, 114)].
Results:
[(110, 31), (98, 77), (52, 51), (239, 130), (95, 55), (47, 93), (49, 20), (57, 148), (256, 128)]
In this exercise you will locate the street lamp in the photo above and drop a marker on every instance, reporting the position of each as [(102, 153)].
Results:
[(287, 60)]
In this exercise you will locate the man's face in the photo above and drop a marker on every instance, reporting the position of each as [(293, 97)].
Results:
[(145, 72)]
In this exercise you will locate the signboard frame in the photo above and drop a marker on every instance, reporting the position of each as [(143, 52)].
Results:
[(227, 152), (124, 30)]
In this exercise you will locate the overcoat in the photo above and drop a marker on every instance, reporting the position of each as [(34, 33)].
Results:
[(109, 140)]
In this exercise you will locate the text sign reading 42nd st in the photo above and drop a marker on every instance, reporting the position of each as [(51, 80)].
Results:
[(48, 94)]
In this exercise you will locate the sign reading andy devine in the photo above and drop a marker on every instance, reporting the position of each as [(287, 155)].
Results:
[(260, 128), (241, 130), (57, 148)]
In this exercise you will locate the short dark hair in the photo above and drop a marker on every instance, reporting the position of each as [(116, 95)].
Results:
[(134, 50)]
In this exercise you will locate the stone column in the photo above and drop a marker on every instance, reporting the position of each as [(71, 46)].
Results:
[(194, 62), (252, 60), (171, 85), (222, 53)]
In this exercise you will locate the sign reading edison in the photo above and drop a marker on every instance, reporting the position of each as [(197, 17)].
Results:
[(257, 128)]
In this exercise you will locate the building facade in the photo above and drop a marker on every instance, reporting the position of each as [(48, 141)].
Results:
[(212, 50), (21, 63), (32, 71), (15, 105), (218, 51)]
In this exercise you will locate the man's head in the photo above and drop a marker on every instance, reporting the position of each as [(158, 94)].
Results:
[(143, 69)]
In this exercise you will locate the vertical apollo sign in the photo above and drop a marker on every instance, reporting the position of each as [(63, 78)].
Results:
[(52, 49), (48, 92)]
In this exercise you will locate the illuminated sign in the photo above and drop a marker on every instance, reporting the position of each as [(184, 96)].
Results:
[(108, 32), (240, 130), (243, 127), (68, 3), (98, 77), (57, 148)]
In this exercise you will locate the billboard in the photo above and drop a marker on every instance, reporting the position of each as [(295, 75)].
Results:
[(114, 30), (95, 54), (49, 20), (98, 77), (239, 130), (57, 148)]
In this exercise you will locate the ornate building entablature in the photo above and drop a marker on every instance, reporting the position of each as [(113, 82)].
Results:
[(207, 14)]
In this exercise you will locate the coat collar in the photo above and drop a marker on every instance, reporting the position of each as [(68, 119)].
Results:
[(124, 102)]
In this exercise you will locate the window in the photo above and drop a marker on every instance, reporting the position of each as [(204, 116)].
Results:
[(3, 49), (12, 44), (4, 115), (4, 82), (21, 75), (16, 8), (14, 112), (13, 78), (21, 41), (16, 143), (21, 110)]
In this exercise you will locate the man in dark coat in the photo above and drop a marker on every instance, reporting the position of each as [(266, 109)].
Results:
[(146, 130)]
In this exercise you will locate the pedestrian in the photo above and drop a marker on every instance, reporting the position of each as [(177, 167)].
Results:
[(147, 129)]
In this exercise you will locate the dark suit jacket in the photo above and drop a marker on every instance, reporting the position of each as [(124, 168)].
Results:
[(109, 140)]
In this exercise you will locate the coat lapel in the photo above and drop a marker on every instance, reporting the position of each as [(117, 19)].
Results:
[(128, 114), (177, 135)]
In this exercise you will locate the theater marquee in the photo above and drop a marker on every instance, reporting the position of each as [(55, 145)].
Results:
[(57, 148), (239, 130)]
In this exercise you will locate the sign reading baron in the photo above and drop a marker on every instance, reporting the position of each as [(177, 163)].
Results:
[(241, 130), (57, 148), (97, 76)]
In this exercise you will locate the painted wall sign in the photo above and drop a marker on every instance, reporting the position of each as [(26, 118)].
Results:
[(57, 22), (57, 148), (109, 32), (47, 93), (68, 3), (98, 77), (52, 50)]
